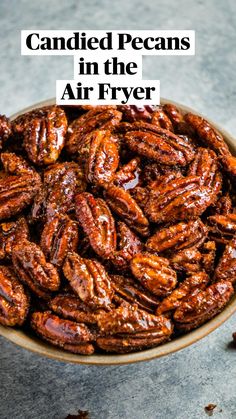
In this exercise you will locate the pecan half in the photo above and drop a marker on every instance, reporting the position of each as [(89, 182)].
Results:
[(178, 237), (122, 203), (97, 222), (209, 135), (226, 268), (14, 302), (128, 328), (69, 335), (11, 233), (16, 165), (128, 245), (16, 193), (177, 119), (181, 199), (94, 119), (199, 308), (31, 267), (103, 157), (162, 146), (61, 183), (59, 236), (190, 286), (154, 273), (222, 228), (89, 280), (131, 291), (44, 133), (128, 175), (161, 120), (71, 307)]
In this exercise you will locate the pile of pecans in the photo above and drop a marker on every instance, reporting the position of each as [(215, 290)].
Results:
[(118, 225)]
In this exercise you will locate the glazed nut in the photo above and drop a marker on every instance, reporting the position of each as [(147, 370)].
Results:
[(14, 302), (154, 273)]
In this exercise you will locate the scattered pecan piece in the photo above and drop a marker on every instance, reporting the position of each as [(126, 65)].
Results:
[(201, 307), (14, 302), (97, 222), (154, 273), (67, 334), (89, 280), (32, 269), (59, 236)]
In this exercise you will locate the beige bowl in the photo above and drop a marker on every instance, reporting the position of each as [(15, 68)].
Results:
[(33, 344)]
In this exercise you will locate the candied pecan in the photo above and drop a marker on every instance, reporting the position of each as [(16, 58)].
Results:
[(226, 268), (67, 334), (97, 222), (14, 302), (122, 203), (182, 198), (91, 120), (187, 260), (178, 237), (161, 120), (229, 164), (128, 245), (5, 129), (127, 329), (127, 289), (222, 228), (16, 193), (204, 165), (128, 174), (61, 183), (140, 195), (71, 307), (59, 236), (162, 146), (89, 280), (223, 205), (31, 267), (209, 135), (177, 119), (11, 233), (133, 113), (190, 286), (208, 251), (154, 273), (44, 133), (197, 309), (16, 165), (103, 157)]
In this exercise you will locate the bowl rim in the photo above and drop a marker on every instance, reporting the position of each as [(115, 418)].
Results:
[(40, 347)]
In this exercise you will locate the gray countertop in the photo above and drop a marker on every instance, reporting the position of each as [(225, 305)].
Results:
[(181, 385)]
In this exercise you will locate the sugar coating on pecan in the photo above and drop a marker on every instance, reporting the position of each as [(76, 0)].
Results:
[(14, 302), (120, 220)]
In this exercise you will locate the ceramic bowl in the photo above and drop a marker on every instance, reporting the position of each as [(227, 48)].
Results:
[(32, 343)]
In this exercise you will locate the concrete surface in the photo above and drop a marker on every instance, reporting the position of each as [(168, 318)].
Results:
[(179, 386)]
